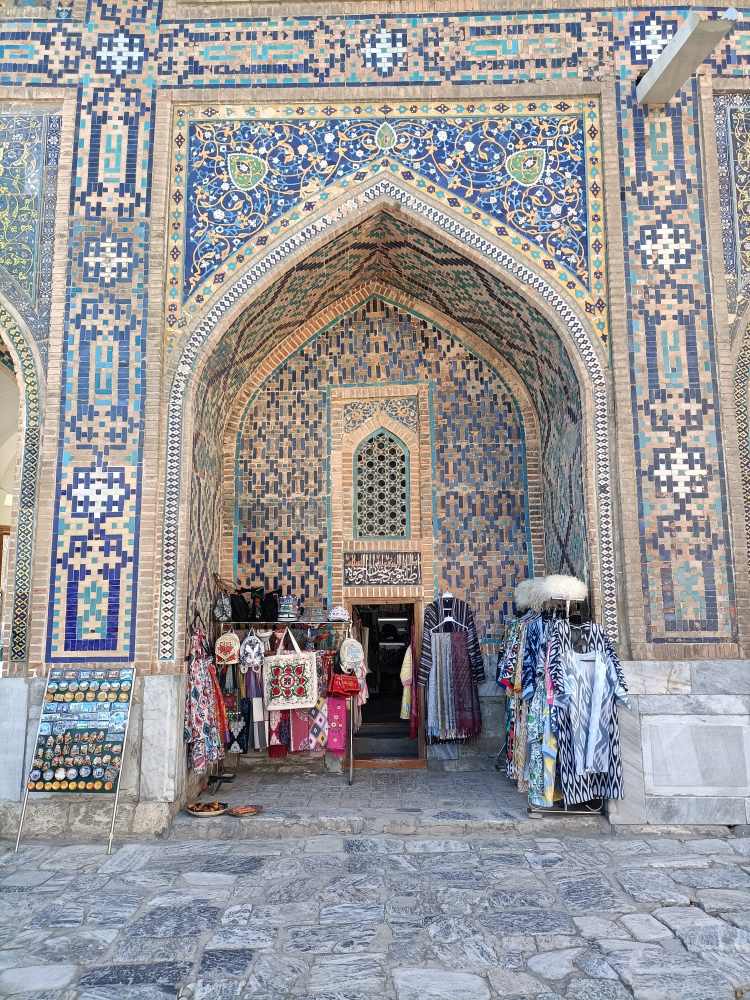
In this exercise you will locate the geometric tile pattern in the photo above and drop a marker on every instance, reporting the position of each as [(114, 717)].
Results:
[(686, 555), (26, 500), (732, 123), (531, 180), (428, 270), (117, 61), (37, 9), (29, 156), (482, 531)]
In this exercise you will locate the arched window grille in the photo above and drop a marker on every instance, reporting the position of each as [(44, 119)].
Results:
[(381, 487)]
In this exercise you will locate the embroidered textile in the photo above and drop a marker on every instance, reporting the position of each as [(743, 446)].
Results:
[(279, 734), (352, 659), (239, 728), (324, 662), (318, 736), (336, 724), (205, 745), (251, 653), (222, 723), (300, 730), (290, 681), (227, 648)]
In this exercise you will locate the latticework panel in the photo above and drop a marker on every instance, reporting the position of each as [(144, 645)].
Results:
[(381, 476)]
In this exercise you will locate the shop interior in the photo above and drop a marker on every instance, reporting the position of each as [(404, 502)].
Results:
[(387, 633)]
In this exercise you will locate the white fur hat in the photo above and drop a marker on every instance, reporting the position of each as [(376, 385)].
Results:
[(522, 594), (564, 588), (530, 594)]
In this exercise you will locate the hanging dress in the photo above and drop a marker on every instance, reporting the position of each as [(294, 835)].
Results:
[(573, 725), (201, 733)]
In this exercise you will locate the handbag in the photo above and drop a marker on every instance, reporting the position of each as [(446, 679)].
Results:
[(240, 610), (269, 607), (227, 649), (290, 680), (343, 686), (223, 608)]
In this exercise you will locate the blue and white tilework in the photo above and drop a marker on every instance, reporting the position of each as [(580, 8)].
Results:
[(29, 156), (527, 172), (118, 60), (389, 250), (26, 372)]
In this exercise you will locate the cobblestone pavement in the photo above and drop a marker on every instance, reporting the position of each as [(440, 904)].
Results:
[(301, 798), (353, 918)]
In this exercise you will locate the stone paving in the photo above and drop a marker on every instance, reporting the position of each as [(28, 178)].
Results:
[(300, 797), (604, 917)]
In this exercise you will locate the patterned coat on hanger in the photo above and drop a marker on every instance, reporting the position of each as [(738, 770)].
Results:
[(433, 617), (578, 788)]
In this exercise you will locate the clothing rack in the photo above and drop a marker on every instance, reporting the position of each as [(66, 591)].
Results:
[(297, 623), (346, 626), (560, 606)]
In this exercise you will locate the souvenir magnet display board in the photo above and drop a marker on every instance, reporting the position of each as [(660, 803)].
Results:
[(81, 737), (82, 733)]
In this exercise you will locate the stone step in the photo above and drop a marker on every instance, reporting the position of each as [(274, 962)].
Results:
[(276, 824), (383, 745)]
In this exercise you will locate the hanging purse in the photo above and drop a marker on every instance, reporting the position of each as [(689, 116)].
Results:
[(343, 686), (223, 608), (290, 680), (240, 609)]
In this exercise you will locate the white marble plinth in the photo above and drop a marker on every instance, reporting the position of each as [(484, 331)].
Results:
[(14, 710)]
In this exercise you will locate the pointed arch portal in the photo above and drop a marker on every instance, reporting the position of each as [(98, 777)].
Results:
[(19, 357), (386, 235)]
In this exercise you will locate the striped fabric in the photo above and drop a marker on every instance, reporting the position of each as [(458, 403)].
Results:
[(434, 615)]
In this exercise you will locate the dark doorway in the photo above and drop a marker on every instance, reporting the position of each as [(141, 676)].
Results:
[(390, 632)]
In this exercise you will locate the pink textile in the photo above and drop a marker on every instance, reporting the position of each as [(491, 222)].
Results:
[(336, 723)]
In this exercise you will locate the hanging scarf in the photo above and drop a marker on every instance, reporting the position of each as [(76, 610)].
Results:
[(468, 714)]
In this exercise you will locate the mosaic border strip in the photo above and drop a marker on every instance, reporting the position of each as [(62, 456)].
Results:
[(295, 246), (27, 493), (738, 284), (594, 299), (35, 310)]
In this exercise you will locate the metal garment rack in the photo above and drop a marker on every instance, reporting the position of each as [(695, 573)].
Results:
[(302, 624), (539, 812)]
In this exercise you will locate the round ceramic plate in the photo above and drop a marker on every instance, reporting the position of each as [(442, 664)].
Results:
[(208, 815), (245, 810)]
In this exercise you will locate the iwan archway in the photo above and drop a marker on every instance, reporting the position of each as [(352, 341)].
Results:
[(442, 284), (489, 217)]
